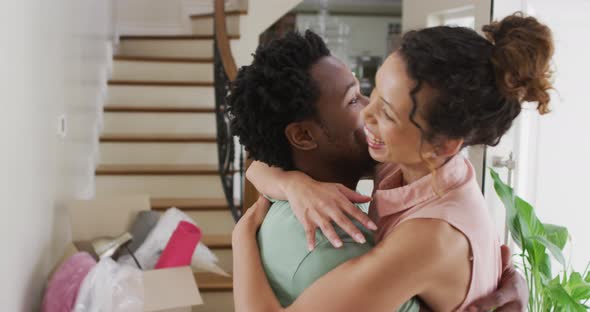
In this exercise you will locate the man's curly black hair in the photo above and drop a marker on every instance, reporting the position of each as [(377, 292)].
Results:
[(274, 91)]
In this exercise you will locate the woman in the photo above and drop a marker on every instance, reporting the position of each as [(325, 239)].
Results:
[(445, 89)]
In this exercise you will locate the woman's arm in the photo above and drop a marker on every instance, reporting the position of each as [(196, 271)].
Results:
[(273, 181), (249, 279), (383, 279), (315, 204)]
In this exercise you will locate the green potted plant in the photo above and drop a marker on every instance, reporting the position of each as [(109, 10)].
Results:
[(538, 243)]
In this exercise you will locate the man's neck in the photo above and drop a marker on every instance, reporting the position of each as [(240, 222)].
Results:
[(323, 172)]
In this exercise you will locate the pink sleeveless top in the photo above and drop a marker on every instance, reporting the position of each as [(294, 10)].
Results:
[(461, 204)]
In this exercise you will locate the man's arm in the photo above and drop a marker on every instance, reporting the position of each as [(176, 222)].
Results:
[(512, 294)]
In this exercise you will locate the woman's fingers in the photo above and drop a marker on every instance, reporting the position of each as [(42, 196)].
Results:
[(352, 195), (330, 233), (506, 257), (354, 211), (309, 231), (346, 224)]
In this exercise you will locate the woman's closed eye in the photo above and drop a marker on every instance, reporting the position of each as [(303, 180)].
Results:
[(387, 115)]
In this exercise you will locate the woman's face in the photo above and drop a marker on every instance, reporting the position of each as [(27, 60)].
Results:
[(391, 136)]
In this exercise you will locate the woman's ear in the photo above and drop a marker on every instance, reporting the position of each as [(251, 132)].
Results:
[(300, 136), (448, 147)]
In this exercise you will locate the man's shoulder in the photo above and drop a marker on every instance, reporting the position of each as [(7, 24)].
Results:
[(280, 227)]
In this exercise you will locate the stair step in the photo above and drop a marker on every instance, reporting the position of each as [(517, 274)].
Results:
[(161, 96), (162, 186), (206, 60), (161, 83), (146, 153), (217, 241), (127, 71), (212, 14), (216, 302), (129, 137), (188, 204), (202, 24), (157, 109), (157, 170), (172, 37), (171, 48), (209, 282), (214, 222), (169, 123)]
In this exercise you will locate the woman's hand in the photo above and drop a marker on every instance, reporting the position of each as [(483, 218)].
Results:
[(254, 216), (318, 204)]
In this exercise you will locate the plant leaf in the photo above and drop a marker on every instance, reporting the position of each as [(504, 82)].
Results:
[(526, 213), (555, 251), (556, 234), (545, 267), (506, 195), (578, 287), (562, 300)]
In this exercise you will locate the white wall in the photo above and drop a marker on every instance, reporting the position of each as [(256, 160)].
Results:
[(261, 15), (53, 61), (416, 13), (367, 33), (563, 148)]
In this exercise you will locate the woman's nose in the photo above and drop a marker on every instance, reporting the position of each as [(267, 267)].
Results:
[(367, 113)]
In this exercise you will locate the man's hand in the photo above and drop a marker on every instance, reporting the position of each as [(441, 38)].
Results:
[(512, 294)]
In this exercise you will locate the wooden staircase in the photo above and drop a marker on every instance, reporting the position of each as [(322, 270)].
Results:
[(159, 137)]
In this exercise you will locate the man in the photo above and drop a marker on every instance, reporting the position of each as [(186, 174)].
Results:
[(297, 107)]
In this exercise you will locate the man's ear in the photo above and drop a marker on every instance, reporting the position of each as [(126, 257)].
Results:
[(300, 136)]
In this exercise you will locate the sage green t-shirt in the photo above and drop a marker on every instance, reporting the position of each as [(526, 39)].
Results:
[(290, 267)]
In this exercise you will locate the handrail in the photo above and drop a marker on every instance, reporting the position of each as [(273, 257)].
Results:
[(225, 71), (222, 38)]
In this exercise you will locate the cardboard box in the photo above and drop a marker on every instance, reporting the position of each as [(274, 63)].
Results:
[(165, 290)]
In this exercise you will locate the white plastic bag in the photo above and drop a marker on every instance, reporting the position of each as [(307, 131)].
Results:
[(111, 287), (151, 249)]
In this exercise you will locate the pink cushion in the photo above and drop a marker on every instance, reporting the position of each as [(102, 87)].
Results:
[(181, 246), (62, 289)]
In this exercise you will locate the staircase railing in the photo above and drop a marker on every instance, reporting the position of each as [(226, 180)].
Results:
[(225, 71)]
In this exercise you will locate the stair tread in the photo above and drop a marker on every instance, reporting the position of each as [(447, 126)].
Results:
[(163, 59), (189, 203), (173, 37), (213, 282), (157, 137), (109, 169), (166, 83), (158, 109), (212, 14), (217, 241)]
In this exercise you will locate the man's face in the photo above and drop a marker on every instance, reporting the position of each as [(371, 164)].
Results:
[(339, 105)]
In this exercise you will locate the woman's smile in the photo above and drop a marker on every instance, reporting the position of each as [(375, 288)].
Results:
[(372, 140)]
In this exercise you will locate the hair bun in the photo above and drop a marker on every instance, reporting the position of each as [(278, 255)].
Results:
[(523, 48)]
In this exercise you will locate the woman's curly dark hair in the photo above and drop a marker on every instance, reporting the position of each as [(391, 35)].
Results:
[(274, 91), (478, 84)]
